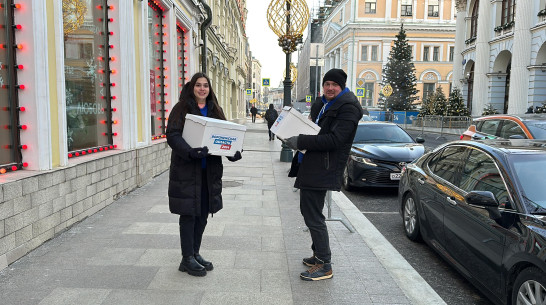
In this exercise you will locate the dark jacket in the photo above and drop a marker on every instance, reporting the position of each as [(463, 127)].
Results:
[(185, 175), (271, 115), (253, 110), (326, 156)]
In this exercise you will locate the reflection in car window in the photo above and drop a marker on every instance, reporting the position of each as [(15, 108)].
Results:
[(381, 133), (537, 129), (489, 127), (531, 174), (480, 174), (511, 128), (448, 164)]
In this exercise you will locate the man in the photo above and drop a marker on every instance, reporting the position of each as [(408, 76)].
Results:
[(253, 111), (320, 168)]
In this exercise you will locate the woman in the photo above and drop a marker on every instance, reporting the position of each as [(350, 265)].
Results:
[(195, 178), (271, 116)]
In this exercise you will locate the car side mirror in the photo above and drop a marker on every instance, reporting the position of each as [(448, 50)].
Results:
[(487, 200), (419, 140), (482, 199)]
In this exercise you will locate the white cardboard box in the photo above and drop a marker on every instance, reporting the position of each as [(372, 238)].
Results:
[(292, 123), (222, 138)]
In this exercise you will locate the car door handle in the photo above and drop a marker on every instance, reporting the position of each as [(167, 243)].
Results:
[(475, 137), (421, 180), (451, 201)]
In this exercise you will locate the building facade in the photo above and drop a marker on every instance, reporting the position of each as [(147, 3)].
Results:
[(256, 81), (87, 88), (501, 56), (359, 34)]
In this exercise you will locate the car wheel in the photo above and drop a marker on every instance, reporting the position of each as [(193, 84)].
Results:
[(411, 220), (529, 287), (346, 180)]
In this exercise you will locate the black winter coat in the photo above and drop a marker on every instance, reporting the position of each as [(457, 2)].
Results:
[(326, 156), (185, 175)]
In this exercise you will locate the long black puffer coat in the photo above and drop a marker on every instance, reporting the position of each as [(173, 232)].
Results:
[(185, 175), (326, 156)]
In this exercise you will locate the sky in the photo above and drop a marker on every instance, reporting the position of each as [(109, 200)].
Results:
[(263, 42)]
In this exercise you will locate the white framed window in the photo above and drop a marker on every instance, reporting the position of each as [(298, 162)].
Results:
[(370, 7), (426, 53), (374, 53), (433, 8), (406, 8), (436, 54), (364, 53), (451, 53)]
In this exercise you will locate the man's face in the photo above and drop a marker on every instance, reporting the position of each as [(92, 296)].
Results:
[(331, 90)]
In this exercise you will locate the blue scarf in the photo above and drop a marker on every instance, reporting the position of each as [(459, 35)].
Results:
[(327, 105)]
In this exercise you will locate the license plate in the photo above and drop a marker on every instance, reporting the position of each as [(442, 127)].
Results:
[(396, 176)]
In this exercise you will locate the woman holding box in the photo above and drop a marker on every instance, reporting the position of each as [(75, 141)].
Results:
[(195, 177)]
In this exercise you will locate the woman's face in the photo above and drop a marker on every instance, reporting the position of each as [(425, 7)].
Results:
[(201, 89)]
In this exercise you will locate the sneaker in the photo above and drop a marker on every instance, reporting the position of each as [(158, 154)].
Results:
[(310, 261), (320, 271)]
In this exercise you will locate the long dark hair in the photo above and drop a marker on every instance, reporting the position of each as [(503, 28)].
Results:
[(188, 95), (187, 102)]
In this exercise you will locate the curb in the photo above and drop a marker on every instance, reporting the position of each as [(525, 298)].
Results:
[(411, 283)]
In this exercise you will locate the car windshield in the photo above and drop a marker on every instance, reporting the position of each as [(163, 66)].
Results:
[(381, 133), (537, 129), (531, 175), (366, 118)]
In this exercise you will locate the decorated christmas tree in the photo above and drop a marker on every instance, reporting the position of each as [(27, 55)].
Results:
[(489, 109), (399, 73), (427, 107), (439, 101), (456, 104)]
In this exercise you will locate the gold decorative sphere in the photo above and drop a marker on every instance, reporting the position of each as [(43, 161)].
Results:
[(288, 19)]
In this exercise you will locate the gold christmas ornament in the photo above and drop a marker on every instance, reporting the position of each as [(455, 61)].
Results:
[(288, 19), (73, 15)]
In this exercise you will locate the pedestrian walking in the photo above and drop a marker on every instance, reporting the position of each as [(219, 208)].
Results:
[(320, 168), (253, 111), (195, 177), (271, 116)]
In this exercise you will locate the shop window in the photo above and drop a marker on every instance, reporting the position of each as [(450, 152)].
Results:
[(182, 56), (87, 76), (158, 54), (10, 125)]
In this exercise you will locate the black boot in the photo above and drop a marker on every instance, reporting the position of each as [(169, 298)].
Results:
[(192, 267), (208, 265)]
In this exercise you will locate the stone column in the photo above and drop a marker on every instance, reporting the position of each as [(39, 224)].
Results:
[(459, 44), (521, 58), (481, 66)]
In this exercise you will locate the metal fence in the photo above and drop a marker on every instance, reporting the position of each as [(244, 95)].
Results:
[(428, 123)]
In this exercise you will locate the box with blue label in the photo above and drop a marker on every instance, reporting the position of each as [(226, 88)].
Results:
[(292, 123), (223, 138)]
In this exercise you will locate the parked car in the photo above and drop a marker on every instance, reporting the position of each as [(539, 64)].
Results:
[(482, 206), (366, 118), (379, 152), (524, 126)]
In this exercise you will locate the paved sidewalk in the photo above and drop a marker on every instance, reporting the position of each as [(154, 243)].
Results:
[(129, 252)]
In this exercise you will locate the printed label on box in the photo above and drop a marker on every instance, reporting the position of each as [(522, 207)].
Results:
[(224, 141)]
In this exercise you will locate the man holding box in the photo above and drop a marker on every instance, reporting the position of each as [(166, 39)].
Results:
[(321, 167)]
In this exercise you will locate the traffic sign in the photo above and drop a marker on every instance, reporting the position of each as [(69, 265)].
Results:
[(360, 92), (265, 82), (307, 98), (248, 91)]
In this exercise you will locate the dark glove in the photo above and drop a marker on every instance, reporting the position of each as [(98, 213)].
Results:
[(199, 152), (292, 142), (236, 157)]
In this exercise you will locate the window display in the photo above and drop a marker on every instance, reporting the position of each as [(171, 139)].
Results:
[(87, 73), (156, 43)]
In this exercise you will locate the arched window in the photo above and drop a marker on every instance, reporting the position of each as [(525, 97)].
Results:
[(474, 20), (508, 11)]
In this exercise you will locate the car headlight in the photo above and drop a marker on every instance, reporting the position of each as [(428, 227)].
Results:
[(366, 161)]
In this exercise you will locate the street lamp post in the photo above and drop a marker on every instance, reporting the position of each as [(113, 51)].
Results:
[(288, 19)]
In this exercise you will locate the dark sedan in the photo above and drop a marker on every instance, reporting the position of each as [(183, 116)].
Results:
[(377, 156), (482, 206)]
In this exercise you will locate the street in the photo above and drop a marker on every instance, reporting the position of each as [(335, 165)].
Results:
[(381, 207)]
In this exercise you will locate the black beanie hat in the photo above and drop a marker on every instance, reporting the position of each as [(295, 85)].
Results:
[(335, 75)]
